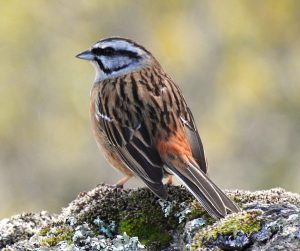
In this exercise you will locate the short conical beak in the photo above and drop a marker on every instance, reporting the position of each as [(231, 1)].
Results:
[(86, 55)]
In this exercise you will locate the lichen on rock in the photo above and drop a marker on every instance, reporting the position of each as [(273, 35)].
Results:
[(234, 230), (109, 218)]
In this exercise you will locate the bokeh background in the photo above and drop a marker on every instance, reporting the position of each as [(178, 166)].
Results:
[(237, 62)]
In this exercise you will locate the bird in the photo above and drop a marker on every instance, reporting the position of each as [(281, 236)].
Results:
[(143, 125)]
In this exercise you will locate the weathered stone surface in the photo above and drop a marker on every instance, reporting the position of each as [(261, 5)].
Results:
[(97, 220)]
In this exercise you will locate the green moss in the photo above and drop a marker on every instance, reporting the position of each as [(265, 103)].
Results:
[(144, 218), (246, 222), (55, 235), (199, 212), (44, 231), (147, 231)]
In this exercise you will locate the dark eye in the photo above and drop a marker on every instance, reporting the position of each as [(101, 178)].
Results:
[(97, 51), (108, 51)]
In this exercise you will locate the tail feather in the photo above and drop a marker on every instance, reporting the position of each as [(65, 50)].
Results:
[(231, 207), (214, 201)]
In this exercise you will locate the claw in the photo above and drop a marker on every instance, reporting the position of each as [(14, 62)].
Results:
[(121, 186)]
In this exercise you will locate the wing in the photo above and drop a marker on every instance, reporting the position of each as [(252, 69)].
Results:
[(129, 135), (183, 154), (194, 139)]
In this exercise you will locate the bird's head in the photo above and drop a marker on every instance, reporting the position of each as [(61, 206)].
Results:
[(112, 57)]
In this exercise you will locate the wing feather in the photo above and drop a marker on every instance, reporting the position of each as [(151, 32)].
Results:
[(194, 140), (138, 156), (130, 137)]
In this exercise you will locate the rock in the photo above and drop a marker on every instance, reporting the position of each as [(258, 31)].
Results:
[(109, 218)]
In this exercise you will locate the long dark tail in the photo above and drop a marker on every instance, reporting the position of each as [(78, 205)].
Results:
[(214, 201)]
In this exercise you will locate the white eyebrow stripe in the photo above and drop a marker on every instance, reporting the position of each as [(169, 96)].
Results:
[(120, 45)]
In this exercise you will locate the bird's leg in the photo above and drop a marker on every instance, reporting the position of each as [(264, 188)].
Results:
[(122, 181), (169, 181)]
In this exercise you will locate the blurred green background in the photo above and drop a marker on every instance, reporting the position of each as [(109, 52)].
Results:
[(237, 62)]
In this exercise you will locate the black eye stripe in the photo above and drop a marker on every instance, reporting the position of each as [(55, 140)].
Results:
[(109, 51), (129, 54)]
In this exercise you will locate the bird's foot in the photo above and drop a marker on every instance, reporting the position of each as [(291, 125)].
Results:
[(121, 182), (169, 180)]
